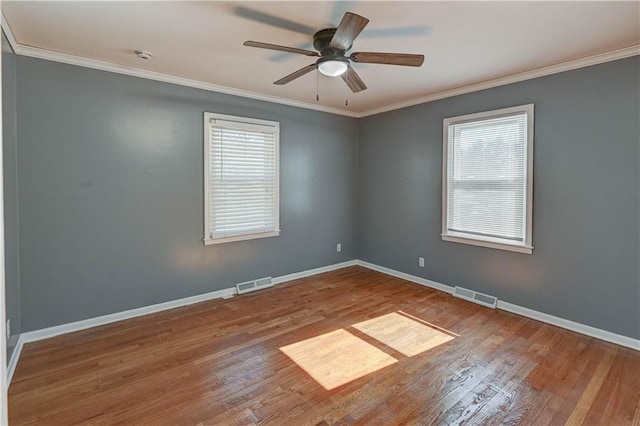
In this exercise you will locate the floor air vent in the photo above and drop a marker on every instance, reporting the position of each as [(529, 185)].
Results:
[(254, 285), (476, 297)]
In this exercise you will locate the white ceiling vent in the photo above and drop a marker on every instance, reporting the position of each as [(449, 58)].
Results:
[(254, 285), (474, 296)]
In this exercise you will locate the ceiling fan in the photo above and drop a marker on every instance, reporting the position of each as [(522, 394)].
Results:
[(332, 44)]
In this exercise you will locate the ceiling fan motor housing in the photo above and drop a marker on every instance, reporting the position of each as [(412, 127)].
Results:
[(322, 42)]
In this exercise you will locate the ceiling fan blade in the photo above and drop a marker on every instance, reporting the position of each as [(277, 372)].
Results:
[(296, 74), (349, 28), (353, 80), (388, 58), (280, 48)]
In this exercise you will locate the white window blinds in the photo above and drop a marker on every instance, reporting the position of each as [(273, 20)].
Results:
[(487, 178), (242, 179)]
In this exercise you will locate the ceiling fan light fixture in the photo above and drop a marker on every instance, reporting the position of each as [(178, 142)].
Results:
[(333, 67)]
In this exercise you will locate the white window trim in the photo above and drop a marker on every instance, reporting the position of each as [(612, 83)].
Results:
[(495, 243), (208, 239)]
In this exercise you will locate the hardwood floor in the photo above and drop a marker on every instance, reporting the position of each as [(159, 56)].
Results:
[(220, 362)]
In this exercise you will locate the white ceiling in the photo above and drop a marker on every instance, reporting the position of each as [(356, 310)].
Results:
[(463, 42)]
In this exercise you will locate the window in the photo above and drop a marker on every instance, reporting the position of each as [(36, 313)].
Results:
[(241, 178), (488, 179)]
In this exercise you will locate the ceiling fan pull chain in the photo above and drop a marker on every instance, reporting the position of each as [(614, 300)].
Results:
[(346, 98), (317, 84)]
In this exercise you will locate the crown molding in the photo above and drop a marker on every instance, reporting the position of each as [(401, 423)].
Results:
[(51, 55), (600, 58), (7, 30)]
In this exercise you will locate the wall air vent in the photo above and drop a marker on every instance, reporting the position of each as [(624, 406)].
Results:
[(254, 285), (474, 296)]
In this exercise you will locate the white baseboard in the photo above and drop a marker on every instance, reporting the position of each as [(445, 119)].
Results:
[(45, 333), (32, 336), (316, 271), (519, 310), (11, 366), (587, 330), (418, 280)]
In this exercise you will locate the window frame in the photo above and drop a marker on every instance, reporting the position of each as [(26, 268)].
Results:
[(479, 240), (208, 116)]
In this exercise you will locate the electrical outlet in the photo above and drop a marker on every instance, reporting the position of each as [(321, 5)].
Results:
[(339, 247), (421, 262), (8, 328)]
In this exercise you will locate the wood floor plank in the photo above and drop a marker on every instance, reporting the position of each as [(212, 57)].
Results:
[(219, 362), (591, 392)]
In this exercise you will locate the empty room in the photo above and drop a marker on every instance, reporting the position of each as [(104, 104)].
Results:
[(316, 213)]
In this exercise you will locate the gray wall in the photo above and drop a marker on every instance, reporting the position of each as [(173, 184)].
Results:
[(585, 265), (110, 184), (9, 156), (111, 193)]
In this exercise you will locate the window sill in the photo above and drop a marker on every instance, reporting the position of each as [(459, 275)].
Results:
[(210, 241), (490, 244)]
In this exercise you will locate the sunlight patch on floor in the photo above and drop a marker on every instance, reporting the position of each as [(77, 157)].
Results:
[(336, 358), (405, 335)]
